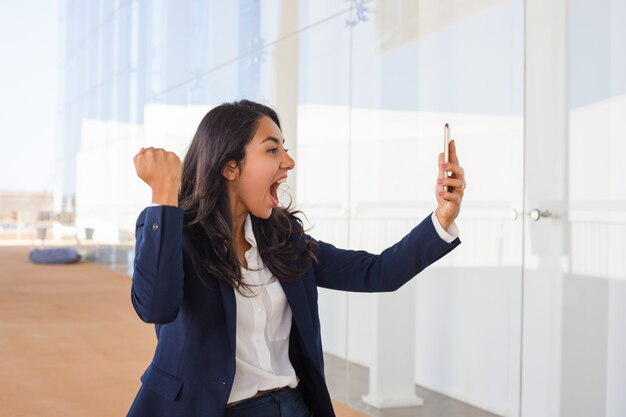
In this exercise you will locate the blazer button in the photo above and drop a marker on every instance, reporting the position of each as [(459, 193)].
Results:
[(155, 226)]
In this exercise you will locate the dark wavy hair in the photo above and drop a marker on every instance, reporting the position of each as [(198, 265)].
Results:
[(221, 137)]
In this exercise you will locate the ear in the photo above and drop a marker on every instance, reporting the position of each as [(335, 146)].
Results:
[(230, 170)]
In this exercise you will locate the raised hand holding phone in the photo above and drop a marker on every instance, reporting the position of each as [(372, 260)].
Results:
[(450, 182)]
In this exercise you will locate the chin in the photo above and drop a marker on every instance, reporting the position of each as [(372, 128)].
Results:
[(265, 214)]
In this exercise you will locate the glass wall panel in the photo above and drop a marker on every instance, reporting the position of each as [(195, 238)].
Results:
[(574, 268), (416, 66), (593, 371)]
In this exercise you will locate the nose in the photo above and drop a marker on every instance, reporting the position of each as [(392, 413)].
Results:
[(288, 162)]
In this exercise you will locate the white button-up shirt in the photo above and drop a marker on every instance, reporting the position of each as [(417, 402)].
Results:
[(263, 328)]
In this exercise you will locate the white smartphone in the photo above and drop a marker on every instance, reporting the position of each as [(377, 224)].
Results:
[(446, 150)]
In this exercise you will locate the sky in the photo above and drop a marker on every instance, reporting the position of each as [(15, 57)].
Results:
[(28, 94)]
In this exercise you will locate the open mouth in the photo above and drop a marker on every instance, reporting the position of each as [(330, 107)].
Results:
[(274, 190)]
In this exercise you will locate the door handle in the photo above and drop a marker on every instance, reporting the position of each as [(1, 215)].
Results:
[(537, 214)]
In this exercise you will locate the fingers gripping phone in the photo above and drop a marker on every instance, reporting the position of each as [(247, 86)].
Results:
[(446, 150)]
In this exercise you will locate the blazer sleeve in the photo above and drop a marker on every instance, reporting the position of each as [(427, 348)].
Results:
[(360, 271), (157, 284)]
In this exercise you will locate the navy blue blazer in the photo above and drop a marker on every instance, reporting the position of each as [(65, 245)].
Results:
[(192, 370)]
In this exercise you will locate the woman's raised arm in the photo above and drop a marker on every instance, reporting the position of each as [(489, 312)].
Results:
[(157, 286)]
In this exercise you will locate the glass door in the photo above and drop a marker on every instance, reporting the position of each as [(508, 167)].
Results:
[(575, 209)]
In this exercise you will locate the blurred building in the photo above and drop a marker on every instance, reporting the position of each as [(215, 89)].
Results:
[(22, 213)]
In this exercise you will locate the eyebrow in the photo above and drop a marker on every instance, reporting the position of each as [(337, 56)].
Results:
[(273, 139)]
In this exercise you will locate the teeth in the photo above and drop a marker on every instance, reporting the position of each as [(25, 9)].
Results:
[(281, 180)]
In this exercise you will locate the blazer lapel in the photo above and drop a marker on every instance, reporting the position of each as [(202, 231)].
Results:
[(299, 304)]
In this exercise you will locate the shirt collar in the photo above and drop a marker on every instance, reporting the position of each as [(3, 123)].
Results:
[(247, 227)]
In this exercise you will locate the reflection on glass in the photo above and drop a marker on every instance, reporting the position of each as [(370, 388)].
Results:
[(593, 371)]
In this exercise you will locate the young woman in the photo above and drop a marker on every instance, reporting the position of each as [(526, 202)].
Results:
[(230, 278)]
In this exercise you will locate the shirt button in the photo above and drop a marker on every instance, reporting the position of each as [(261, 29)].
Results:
[(155, 226)]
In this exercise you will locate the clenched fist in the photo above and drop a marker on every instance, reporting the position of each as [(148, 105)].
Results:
[(162, 171)]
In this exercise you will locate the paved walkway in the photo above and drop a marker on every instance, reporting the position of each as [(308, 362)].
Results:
[(71, 344)]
